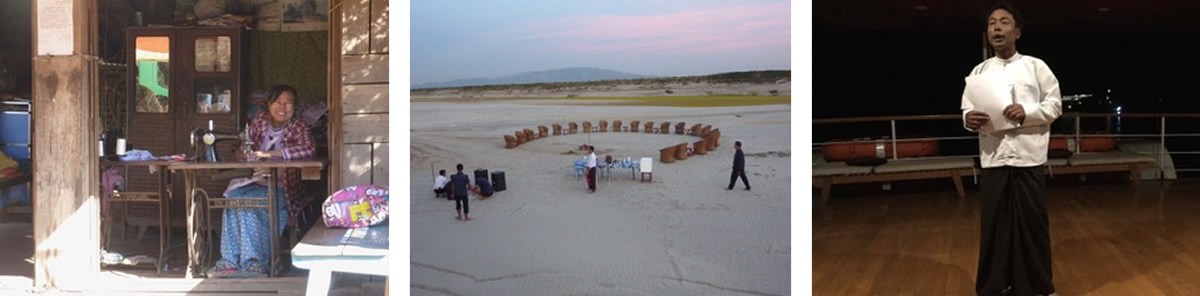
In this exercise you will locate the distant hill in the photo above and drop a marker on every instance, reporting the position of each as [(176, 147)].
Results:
[(575, 74), (752, 83)]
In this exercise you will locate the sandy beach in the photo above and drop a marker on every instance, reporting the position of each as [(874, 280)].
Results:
[(682, 234)]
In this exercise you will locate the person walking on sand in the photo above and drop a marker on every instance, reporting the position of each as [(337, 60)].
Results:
[(591, 169), (739, 167), (458, 187)]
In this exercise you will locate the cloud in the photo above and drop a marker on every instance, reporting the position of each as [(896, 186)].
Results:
[(710, 30)]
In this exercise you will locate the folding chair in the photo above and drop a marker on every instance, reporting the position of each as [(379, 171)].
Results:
[(647, 164)]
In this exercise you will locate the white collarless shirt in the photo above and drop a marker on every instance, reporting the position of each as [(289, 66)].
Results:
[(1035, 88), (440, 182), (591, 160)]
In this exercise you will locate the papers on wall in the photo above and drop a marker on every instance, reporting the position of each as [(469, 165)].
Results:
[(55, 27)]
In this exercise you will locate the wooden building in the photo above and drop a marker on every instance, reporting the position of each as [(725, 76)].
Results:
[(363, 66), (66, 47)]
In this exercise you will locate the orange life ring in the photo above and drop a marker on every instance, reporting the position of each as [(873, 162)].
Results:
[(1086, 144), (879, 148)]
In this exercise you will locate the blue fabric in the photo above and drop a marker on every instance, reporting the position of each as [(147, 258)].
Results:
[(624, 164), (137, 155), (460, 182), (245, 244), (580, 167), (14, 195), (485, 187)]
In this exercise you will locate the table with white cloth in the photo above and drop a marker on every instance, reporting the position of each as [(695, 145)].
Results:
[(627, 163), (605, 168)]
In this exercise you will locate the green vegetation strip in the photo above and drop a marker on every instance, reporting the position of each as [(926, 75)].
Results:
[(758, 77), (670, 101)]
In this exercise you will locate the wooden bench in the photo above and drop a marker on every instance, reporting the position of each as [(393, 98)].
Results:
[(825, 175), (1103, 162), (325, 250)]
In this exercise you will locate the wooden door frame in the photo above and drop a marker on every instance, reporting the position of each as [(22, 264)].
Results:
[(50, 227), (334, 130)]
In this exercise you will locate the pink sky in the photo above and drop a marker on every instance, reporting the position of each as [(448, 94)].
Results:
[(730, 28)]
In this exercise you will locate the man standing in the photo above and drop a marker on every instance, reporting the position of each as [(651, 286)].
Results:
[(591, 169), (1014, 247), (739, 167), (459, 183), (439, 184)]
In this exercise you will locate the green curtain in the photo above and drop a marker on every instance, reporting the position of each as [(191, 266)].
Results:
[(299, 59)]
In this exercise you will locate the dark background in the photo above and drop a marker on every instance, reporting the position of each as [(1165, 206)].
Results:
[(871, 73), (908, 57)]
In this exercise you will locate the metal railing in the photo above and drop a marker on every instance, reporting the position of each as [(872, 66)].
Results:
[(1075, 120)]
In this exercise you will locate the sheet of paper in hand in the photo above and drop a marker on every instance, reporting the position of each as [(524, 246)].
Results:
[(990, 92)]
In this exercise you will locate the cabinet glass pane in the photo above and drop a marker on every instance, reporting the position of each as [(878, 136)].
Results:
[(153, 59), (214, 95), (212, 54)]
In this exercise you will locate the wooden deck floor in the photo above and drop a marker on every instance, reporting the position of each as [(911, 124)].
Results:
[(1106, 238)]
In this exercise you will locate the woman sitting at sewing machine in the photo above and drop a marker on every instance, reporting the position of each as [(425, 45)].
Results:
[(277, 135)]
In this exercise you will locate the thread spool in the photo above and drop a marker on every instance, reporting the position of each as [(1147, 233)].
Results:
[(121, 147)]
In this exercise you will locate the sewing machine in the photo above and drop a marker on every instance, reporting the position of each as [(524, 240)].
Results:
[(203, 143)]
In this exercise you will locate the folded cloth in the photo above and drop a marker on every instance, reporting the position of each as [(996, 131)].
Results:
[(7, 162), (238, 183), (112, 179), (9, 173), (176, 157), (313, 113), (259, 97), (139, 259), (111, 258), (137, 155)]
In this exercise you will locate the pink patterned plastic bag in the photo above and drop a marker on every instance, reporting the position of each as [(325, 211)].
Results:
[(356, 206)]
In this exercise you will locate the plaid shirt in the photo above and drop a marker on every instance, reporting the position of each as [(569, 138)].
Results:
[(297, 143)]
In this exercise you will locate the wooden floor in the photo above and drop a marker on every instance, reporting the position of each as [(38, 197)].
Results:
[(16, 272), (1106, 239)]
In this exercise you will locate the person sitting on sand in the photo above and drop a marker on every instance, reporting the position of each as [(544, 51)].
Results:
[(459, 184), (484, 189), (439, 184)]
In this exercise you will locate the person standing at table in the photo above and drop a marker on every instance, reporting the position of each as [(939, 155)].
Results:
[(245, 239), (458, 187), (591, 169), (1014, 246)]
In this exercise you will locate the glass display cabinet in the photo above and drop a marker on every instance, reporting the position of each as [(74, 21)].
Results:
[(180, 79)]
